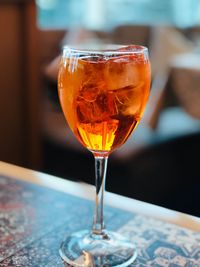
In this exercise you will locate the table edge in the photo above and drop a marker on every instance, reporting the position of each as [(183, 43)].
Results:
[(86, 191)]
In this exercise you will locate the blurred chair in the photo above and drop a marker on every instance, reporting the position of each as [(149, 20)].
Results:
[(131, 34), (193, 33), (165, 43), (185, 74), (50, 41), (180, 113)]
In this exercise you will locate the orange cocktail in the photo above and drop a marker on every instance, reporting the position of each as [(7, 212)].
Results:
[(103, 98)]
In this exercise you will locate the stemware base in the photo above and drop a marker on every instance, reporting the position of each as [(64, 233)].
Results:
[(97, 250)]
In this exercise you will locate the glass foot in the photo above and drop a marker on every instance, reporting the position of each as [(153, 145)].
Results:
[(86, 249)]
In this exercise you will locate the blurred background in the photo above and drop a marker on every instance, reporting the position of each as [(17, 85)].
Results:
[(160, 161)]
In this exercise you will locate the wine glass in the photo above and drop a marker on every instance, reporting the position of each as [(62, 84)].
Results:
[(103, 94)]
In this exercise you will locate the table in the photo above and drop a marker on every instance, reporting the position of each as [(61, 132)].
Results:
[(37, 210)]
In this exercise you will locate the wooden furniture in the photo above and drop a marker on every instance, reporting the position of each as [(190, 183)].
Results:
[(19, 84)]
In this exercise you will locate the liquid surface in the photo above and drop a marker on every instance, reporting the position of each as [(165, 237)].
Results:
[(103, 99)]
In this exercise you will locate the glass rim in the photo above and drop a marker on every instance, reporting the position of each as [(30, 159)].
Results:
[(106, 49)]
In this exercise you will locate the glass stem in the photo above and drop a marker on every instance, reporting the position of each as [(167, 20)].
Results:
[(100, 177)]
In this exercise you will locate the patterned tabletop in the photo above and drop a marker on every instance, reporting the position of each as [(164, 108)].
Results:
[(34, 220)]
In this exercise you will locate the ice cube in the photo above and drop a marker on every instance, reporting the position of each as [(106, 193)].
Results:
[(100, 109), (84, 111), (121, 72), (89, 91), (129, 99)]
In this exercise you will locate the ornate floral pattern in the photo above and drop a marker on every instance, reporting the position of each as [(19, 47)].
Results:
[(34, 220)]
